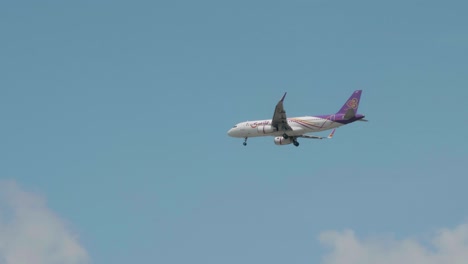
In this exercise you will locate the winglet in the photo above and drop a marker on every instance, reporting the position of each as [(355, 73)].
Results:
[(332, 133), (282, 98)]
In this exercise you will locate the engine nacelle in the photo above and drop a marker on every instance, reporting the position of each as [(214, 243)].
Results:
[(283, 141), (266, 129)]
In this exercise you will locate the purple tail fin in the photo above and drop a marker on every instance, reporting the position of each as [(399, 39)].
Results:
[(352, 103)]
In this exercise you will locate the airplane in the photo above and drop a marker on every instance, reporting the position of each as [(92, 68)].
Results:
[(288, 130)]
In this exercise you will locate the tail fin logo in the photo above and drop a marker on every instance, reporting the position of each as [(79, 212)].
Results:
[(353, 103)]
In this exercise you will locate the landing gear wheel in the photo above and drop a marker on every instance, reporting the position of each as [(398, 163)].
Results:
[(285, 136), (296, 143), (245, 142)]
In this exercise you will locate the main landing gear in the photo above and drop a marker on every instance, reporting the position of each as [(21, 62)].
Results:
[(245, 142), (294, 139), (295, 143)]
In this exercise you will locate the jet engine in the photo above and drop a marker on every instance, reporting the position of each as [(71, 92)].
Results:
[(266, 129), (283, 141)]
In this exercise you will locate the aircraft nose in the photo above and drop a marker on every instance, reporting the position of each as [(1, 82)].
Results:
[(230, 132)]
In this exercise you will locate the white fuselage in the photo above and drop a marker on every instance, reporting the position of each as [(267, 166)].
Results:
[(299, 125)]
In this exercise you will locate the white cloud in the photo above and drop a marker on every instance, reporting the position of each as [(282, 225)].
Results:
[(30, 233), (445, 246)]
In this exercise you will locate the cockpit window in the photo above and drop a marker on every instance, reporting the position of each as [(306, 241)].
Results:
[(234, 126)]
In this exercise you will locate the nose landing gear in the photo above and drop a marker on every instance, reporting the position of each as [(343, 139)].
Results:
[(245, 142)]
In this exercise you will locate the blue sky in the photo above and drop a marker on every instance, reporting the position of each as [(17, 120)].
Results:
[(116, 114)]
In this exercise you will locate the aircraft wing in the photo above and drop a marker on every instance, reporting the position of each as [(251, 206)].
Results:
[(318, 137), (311, 136), (280, 120)]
